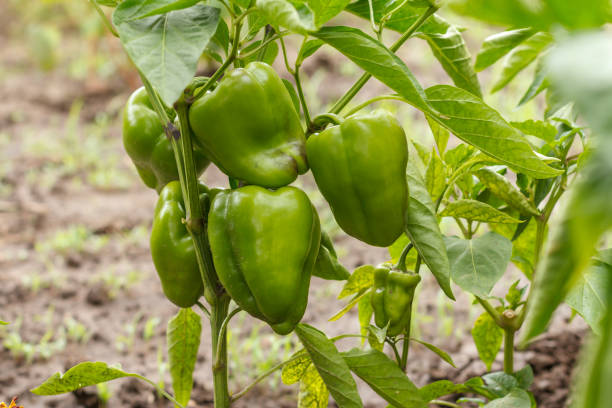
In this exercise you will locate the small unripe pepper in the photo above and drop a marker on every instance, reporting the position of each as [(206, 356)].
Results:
[(392, 298)]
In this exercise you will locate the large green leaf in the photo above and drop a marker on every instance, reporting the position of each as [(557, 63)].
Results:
[(423, 230), (137, 9), (183, 337), (283, 13), (376, 59), (497, 45), (476, 123), (384, 377), (325, 10), (166, 48), (79, 376), (478, 263), (330, 365), (444, 39), (517, 398)]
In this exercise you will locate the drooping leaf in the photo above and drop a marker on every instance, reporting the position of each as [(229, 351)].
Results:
[(488, 338), (313, 392), (520, 58), (331, 366), (476, 211), (183, 337), (79, 376), (423, 230), (476, 123), (384, 377), (441, 353), (325, 10), (296, 368), (166, 48), (361, 279), (477, 264), (505, 190), (497, 45)]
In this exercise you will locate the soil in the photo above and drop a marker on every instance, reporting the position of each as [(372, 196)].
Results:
[(105, 279)]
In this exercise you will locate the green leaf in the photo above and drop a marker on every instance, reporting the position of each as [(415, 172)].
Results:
[(476, 211), (477, 264), (524, 376), (476, 123), (330, 365), (517, 398), (439, 389), (79, 376), (183, 337), (435, 177), (296, 368), (595, 376), (500, 383), (268, 57), (313, 392), (361, 279), (449, 48), (376, 59), (444, 39), (310, 48), (384, 377), (588, 297), (297, 17), (502, 12), (166, 48), (325, 10), (365, 312), (505, 190), (497, 45), (538, 128), (520, 58), (488, 338), (540, 82), (354, 301), (441, 353), (423, 230), (440, 134), (3, 323), (580, 15), (137, 9)]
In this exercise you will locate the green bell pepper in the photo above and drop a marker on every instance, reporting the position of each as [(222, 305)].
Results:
[(146, 143), (264, 245), (392, 298), (249, 128), (360, 168), (172, 248)]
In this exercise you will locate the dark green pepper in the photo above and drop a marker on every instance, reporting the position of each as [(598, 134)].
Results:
[(249, 128), (360, 168), (146, 143), (264, 245), (172, 248), (392, 298), (327, 265)]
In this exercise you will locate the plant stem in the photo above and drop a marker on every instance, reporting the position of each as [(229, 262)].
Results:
[(401, 262), (298, 85), (105, 19), (350, 94), (219, 347), (509, 351), (371, 101), (406, 342), (398, 358), (161, 390), (223, 330), (490, 310)]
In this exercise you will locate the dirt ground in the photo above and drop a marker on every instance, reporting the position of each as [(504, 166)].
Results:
[(77, 282)]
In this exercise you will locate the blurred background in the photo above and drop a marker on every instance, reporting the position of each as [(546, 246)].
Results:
[(76, 278)]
